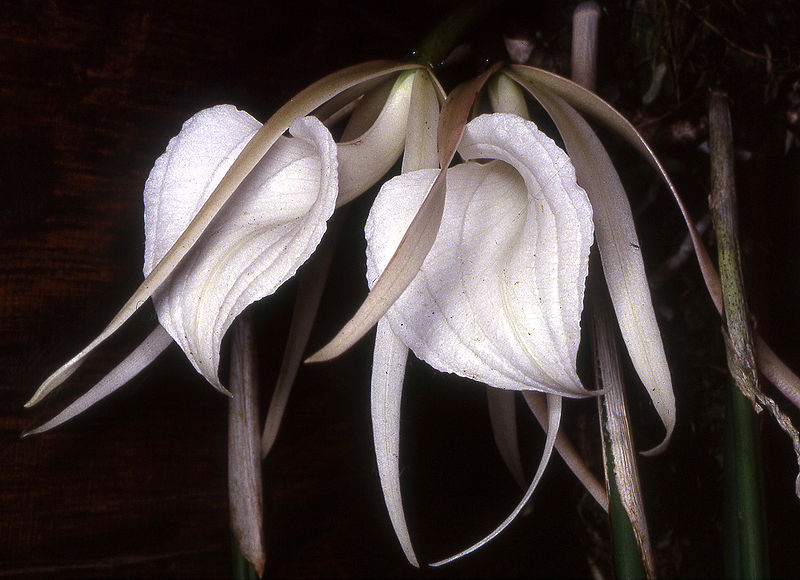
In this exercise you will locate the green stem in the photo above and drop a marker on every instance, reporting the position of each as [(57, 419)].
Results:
[(752, 536), (441, 40), (242, 568), (745, 540), (629, 535), (746, 532), (627, 555)]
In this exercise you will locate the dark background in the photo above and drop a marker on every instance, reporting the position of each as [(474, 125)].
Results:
[(90, 93)]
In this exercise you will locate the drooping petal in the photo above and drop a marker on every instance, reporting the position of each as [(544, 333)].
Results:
[(367, 158), (257, 241), (618, 243), (390, 354), (499, 297), (388, 372)]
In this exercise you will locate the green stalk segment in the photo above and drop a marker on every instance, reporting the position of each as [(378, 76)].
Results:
[(745, 541), (630, 538), (442, 39), (627, 557), (242, 568)]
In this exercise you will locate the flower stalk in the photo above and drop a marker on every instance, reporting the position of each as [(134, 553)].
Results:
[(244, 448), (442, 39)]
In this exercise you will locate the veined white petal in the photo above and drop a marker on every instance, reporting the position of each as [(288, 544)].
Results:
[(258, 240), (499, 297), (185, 175)]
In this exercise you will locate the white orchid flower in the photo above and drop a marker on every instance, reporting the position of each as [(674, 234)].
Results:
[(255, 243), (423, 226), (233, 208), (444, 281), (499, 296), (259, 239)]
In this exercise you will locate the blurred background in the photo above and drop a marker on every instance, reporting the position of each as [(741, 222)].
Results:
[(90, 94)]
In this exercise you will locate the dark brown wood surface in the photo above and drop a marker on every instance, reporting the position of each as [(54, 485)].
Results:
[(90, 93)]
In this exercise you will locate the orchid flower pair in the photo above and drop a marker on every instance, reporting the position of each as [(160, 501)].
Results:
[(479, 268)]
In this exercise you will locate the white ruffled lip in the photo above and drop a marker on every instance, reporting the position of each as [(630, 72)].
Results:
[(261, 237), (499, 297)]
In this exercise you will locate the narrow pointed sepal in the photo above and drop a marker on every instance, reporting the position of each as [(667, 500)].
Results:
[(388, 372), (554, 420), (156, 343)]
